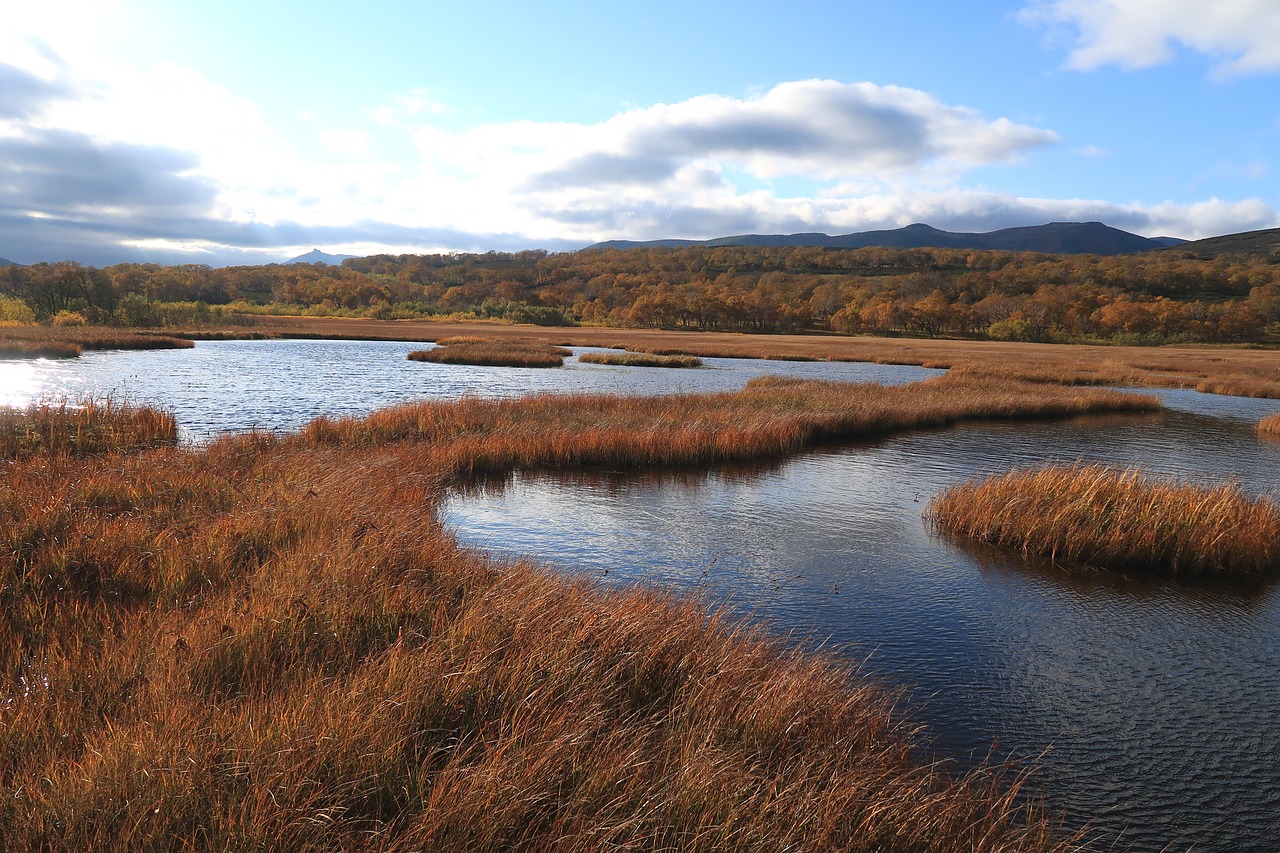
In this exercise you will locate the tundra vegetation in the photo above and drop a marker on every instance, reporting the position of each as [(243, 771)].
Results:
[(471, 349), (270, 642), (1117, 519)]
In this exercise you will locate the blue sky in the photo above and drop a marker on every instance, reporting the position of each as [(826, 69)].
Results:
[(244, 132)]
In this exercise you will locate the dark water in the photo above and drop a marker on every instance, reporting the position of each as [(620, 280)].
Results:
[(1151, 708)]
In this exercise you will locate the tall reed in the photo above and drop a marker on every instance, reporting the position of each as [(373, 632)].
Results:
[(1121, 520), (83, 427)]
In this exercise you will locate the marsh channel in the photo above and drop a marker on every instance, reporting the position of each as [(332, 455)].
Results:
[(1149, 709)]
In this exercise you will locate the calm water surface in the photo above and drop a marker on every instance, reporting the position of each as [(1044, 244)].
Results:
[(1150, 707)]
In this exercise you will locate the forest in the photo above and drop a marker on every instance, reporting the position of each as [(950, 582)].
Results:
[(1148, 298)]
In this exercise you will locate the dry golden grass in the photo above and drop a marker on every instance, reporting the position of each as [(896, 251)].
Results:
[(84, 427), (87, 338), (770, 418), (36, 349), (272, 643), (1270, 424), (469, 349), (1120, 520), (637, 359)]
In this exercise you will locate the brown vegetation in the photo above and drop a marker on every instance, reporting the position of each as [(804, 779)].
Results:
[(640, 359), (272, 643), (1270, 425), (87, 338), (83, 428), (1119, 520), (471, 349), (37, 349)]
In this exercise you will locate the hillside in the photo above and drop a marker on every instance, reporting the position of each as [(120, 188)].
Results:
[(5, 263), (1067, 238), (1265, 243)]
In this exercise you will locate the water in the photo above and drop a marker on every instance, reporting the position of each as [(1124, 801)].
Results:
[(224, 386), (1149, 706)]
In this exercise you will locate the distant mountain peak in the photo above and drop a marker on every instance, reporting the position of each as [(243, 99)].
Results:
[(315, 256), (5, 263)]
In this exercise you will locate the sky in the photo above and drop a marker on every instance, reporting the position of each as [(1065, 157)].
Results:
[(241, 132)]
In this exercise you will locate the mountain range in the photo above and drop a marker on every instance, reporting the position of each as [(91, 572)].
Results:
[(1068, 238), (4, 263)]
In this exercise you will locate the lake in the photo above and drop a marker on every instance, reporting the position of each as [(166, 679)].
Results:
[(1148, 707)]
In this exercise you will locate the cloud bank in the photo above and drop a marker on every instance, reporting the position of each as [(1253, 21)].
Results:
[(1241, 36)]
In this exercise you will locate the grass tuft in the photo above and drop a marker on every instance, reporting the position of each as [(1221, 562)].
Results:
[(470, 349), (83, 428), (1119, 520), (1270, 425), (636, 359)]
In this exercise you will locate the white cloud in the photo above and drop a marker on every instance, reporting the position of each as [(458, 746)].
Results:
[(1243, 36)]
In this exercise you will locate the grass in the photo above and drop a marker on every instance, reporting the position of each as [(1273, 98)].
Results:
[(61, 338), (83, 428), (772, 417), (272, 642), (1270, 425), (36, 349), (470, 349), (637, 359), (1119, 520)]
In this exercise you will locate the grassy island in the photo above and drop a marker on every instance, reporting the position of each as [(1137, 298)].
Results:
[(271, 642), (492, 352), (639, 359), (1120, 520), (1270, 425)]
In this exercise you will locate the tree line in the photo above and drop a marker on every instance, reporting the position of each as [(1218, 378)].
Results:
[(1155, 297)]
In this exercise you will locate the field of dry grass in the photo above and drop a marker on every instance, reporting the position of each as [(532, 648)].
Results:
[(271, 642), (1120, 520)]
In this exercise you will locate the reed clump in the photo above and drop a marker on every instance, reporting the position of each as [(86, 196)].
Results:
[(1122, 520), (37, 349), (637, 359), (492, 352), (82, 428), (273, 642), (1270, 425)]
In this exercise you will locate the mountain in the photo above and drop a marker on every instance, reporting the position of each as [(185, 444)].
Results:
[(315, 256), (1265, 243), (4, 263), (1067, 238)]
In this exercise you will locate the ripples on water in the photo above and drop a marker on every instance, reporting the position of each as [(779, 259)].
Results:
[(1149, 706)]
